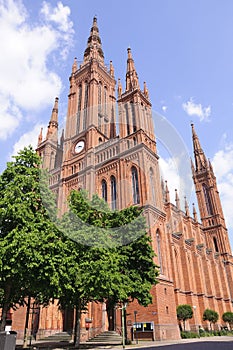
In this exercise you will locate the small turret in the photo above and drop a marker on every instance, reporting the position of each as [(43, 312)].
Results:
[(74, 66), (194, 213), (40, 137), (52, 131), (177, 199), (111, 69), (131, 74), (186, 207), (119, 88), (167, 193), (145, 90)]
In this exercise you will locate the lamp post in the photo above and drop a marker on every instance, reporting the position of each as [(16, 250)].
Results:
[(135, 327), (123, 308)]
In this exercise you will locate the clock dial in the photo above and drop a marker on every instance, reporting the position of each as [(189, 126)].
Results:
[(79, 147)]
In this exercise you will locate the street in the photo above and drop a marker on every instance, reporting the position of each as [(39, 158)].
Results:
[(202, 345)]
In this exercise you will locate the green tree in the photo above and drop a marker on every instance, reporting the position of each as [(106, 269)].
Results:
[(228, 318), (184, 312), (103, 269), (211, 316), (31, 247)]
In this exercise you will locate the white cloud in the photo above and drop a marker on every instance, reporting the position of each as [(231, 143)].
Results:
[(29, 138), (164, 108), (223, 168), (12, 117), (27, 82), (58, 15), (194, 109)]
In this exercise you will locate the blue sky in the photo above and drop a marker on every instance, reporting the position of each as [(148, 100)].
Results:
[(182, 49)]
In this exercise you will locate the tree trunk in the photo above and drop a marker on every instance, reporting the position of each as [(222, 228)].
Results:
[(184, 325), (110, 308), (26, 323), (77, 325), (5, 308), (5, 305)]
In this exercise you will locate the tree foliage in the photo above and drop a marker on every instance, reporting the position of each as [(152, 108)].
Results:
[(184, 312), (31, 248), (211, 316), (102, 268), (228, 318)]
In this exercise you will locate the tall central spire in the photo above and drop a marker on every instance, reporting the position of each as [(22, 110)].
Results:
[(131, 74), (94, 45), (201, 162)]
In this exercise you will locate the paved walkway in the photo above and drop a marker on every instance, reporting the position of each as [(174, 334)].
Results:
[(67, 346)]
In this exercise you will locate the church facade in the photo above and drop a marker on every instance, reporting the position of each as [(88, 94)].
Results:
[(109, 147)]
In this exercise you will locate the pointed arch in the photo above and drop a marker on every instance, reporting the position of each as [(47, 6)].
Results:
[(79, 107), (152, 185), (216, 244), (159, 250), (135, 185), (104, 190), (208, 203), (113, 192), (86, 97)]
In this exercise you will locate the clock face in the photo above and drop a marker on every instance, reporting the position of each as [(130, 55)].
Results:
[(79, 147)]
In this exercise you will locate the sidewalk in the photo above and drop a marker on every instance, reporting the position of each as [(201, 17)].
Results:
[(68, 346)]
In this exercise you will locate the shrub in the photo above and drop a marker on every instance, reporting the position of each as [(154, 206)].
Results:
[(188, 335)]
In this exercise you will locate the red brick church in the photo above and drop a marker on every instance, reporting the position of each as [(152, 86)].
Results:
[(109, 147)]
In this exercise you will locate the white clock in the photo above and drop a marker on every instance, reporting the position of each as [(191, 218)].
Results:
[(79, 146)]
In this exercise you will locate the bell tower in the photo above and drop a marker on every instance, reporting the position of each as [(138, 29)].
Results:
[(209, 203), (91, 99), (134, 104)]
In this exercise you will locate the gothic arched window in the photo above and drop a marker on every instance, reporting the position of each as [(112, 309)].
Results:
[(104, 190), (127, 118), (152, 185), (135, 186), (207, 200), (158, 242), (215, 244), (113, 192), (105, 100), (133, 116), (85, 106)]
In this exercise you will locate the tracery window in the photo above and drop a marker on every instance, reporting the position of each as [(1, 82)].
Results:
[(104, 190), (135, 186), (207, 200), (113, 192)]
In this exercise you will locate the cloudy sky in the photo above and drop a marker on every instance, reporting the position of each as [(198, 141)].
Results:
[(182, 49)]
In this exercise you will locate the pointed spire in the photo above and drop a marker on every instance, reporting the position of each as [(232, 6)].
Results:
[(111, 69), (186, 206), (53, 124), (167, 194), (62, 138), (54, 116), (74, 66), (131, 74), (177, 199), (40, 137), (119, 89), (145, 90), (94, 45), (200, 158), (194, 213)]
